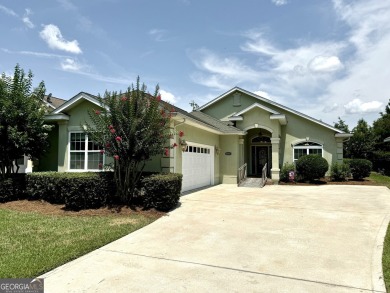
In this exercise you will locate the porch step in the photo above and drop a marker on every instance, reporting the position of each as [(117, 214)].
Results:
[(251, 182)]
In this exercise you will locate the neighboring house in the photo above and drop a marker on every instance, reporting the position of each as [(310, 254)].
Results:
[(387, 139), (235, 128)]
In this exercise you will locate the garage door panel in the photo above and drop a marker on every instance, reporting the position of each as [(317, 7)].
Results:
[(196, 167)]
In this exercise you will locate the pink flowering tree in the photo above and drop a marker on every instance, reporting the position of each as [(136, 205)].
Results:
[(131, 127)]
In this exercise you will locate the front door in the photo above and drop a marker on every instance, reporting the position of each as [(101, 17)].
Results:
[(260, 157)]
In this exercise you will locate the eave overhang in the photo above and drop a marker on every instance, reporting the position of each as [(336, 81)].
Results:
[(343, 135), (56, 117)]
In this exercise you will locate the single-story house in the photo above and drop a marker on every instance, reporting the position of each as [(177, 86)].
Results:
[(236, 128)]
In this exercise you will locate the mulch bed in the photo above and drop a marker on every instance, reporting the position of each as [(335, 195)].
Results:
[(44, 207), (327, 181)]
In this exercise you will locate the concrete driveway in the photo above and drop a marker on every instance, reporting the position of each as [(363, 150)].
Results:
[(230, 239)]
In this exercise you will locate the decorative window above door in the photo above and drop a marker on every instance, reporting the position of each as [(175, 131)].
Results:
[(261, 139)]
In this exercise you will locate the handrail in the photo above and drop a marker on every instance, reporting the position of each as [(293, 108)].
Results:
[(242, 173), (264, 175)]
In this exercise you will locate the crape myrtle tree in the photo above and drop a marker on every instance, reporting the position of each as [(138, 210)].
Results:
[(131, 127), (22, 127)]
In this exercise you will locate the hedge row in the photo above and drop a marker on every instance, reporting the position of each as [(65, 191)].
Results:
[(91, 190), (381, 162), (13, 188), (312, 167), (75, 190)]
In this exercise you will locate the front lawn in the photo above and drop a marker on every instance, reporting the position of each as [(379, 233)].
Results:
[(380, 179), (32, 243)]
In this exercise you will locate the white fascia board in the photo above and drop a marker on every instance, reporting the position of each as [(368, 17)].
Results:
[(236, 118), (343, 135), (56, 117), (256, 105), (198, 124), (217, 99), (193, 122), (70, 103), (281, 117), (387, 139)]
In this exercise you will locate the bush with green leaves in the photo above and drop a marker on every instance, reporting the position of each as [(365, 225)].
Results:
[(75, 190), (381, 162), (339, 171), (22, 127), (162, 191), (284, 172), (360, 168), (311, 167), (13, 187)]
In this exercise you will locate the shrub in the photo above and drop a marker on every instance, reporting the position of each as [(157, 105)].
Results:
[(360, 168), (311, 167), (75, 190), (381, 162), (45, 186), (13, 187), (284, 172), (339, 171), (162, 191)]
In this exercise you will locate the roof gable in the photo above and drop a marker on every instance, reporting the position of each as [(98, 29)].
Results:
[(256, 105), (76, 100), (289, 110)]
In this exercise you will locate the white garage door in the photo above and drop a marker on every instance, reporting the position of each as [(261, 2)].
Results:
[(197, 166)]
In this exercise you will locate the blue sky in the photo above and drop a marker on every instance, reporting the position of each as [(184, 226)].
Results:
[(323, 58)]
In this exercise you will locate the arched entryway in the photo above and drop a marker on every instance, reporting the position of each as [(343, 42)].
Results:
[(260, 151)]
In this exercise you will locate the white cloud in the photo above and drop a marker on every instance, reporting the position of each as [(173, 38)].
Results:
[(8, 11), (158, 35), (32, 53), (360, 107), (365, 80), (67, 4), (51, 34), (279, 2), (70, 64), (26, 20), (168, 97), (325, 64), (220, 73), (330, 108), (211, 81)]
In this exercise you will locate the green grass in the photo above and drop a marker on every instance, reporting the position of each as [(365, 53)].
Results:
[(386, 259), (380, 179), (384, 180), (32, 243)]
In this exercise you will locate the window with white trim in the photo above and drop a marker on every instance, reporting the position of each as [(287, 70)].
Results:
[(307, 148), (84, 154)]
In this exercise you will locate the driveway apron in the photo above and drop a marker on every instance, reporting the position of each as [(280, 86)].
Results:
[(231, 239)]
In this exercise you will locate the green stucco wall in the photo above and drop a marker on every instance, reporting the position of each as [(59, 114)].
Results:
[(49, 160), (229, 163), (297, 128)]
